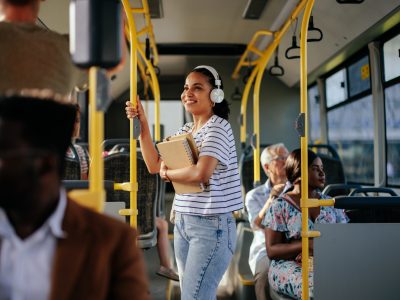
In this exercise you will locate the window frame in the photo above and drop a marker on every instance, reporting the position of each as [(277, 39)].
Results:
[(350, 99)]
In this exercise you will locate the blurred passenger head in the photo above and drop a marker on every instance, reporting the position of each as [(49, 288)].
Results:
[(316, 175), (34, 136), (19, 10), (39, 124), (19, 2), (220, 109), (273, 160)]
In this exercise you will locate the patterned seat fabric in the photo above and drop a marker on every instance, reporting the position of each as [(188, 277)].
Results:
[(116, 168)]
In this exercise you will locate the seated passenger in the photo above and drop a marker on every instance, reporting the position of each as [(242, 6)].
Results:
[(51, 247), (283, 222), (77, 150), (257, 202), (165, 269)]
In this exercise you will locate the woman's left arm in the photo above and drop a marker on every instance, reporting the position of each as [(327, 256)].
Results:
[(198, 173)]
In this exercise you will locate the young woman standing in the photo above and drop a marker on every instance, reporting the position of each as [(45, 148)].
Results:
[(205, 230)]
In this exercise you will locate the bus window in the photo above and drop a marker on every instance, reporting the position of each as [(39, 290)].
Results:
[(391, 58), (392, 107), (359, 77), (336, 91), (351, 132), (314, 113)]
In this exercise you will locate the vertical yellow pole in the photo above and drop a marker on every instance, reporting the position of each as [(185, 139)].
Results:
[(243, 105), (256, 109), (96, 137), (304, 149), (156, 94), (133, 95)]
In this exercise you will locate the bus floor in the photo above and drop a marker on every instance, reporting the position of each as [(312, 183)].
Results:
[(159, 286), (162, 288)]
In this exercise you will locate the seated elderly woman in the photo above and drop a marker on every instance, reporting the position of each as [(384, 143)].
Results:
[(283, 225)]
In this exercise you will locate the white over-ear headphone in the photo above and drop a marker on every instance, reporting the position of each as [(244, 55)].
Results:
[(217, 95)]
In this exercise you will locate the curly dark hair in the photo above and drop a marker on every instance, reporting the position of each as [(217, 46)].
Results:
[(220, 109)]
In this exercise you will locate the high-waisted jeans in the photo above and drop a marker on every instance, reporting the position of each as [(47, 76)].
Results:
[(204, 247)]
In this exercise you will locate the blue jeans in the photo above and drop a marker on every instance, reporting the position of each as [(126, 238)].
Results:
[(204, 247)]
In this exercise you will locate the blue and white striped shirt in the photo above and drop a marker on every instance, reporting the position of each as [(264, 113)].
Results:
[(214, 139)]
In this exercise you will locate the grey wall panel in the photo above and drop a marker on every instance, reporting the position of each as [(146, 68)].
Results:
[(357, 261)]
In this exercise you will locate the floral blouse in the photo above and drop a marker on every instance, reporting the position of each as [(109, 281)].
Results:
[(284, 217)]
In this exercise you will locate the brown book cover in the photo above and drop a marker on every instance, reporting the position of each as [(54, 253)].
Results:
[(179, 152)]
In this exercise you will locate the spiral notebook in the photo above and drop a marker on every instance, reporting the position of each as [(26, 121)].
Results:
[(180, 152)]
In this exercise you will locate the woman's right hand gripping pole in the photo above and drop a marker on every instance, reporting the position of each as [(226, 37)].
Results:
[(149, 152)]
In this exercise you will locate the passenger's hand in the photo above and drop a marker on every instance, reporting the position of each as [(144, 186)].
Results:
[(163, 172), (277, 189), (138, 111), (258, 223)]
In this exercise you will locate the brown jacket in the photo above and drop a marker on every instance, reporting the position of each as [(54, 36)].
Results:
[(98, 259)]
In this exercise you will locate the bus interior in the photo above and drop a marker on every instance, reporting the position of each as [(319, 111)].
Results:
[(340, 96)]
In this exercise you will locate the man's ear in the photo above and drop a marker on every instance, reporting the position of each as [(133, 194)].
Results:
[(266, 168)]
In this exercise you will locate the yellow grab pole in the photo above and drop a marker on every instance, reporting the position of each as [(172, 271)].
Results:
[(256, 108), (304, 151), (243, 106), (250, 48), (146, 82), (156, 94), (155, 87), (150, 31), (96, 129), (133, 212), (261, 67), (95, 196)]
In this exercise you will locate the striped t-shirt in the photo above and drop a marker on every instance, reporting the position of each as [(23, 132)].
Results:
[(224, 192)]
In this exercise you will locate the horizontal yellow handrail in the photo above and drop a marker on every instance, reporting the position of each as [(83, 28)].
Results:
[(154, 85), (148, 28), (310, 234), (251, 47), (319, 202), (126, 186), (128, 212)]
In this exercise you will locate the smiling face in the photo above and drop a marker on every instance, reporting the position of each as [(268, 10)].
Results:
[(316, 175), (196, 94)]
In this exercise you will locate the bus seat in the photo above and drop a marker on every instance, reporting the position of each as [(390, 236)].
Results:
[(116, 167), (246, 169), (72, 169), (333, 169), (277, 296), (339, 189), (110, 208), (244, 280), (375, 213)]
